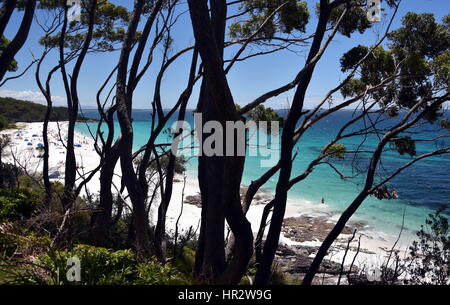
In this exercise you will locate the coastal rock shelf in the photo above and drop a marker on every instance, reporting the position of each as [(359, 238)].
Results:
[(309, 228)]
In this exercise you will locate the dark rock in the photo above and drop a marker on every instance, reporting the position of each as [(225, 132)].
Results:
[(194, 200), (308, 228)]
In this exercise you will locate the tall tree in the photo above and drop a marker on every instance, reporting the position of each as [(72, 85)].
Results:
[(99, 30), (124, 110), (418, 100), (326, 11), (219, 176), (101, 221)]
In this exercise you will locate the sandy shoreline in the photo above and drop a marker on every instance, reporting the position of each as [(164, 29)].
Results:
[(373, 243)]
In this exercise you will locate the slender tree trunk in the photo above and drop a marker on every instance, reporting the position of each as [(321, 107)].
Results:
[(332, 236), (5, 14), (45, 168), (73, 105), (1, 165), (48, 98), (248, 198), (17, 43), (65, 234), (124, 108), (345, 217), (170, 171), (271, 243), (101, 219)]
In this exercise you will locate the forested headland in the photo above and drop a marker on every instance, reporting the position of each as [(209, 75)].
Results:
[(13, 110)]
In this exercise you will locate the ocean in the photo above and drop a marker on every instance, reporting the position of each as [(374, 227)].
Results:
[(422, 188)]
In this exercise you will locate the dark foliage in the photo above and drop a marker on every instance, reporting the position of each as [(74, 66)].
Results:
[(24, 111), (430, 255)]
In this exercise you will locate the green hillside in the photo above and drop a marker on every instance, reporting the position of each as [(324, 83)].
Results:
[(13, 110), (23, 111)]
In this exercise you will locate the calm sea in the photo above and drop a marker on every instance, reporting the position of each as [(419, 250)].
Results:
[(422, 188)]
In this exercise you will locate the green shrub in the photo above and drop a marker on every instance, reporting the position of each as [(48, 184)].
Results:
[(118, 237), (8, 245), (185, 261), (154, 273), (22, 244), (429, 260), (99, 266), (337, 151), (18, 204), (3, 122), (9, 175)]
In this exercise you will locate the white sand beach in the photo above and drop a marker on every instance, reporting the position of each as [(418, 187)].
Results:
[(24, 151)]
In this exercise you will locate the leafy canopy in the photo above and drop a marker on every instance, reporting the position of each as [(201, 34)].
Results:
[(4, 42), (109, 27), (419, 50), (292, 16)]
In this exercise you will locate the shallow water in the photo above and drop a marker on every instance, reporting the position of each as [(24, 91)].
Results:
[(422, 188)]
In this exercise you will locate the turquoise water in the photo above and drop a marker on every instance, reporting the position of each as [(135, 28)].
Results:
[(422, 188)]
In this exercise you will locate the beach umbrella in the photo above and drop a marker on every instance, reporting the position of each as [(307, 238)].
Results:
[(53, 175)]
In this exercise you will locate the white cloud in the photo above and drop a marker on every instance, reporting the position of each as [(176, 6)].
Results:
[(33, 96)]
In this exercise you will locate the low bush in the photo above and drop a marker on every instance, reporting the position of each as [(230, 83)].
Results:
[(98, 266), (18, 204), (429, 260), (8, 245), (154, 273), (101, 266)]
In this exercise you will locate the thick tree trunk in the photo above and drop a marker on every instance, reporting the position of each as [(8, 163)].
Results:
[(248, 198), (219, 176), (101, 219), (210, 255)]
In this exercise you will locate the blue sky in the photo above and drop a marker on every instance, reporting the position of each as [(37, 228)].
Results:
[(247, 79)]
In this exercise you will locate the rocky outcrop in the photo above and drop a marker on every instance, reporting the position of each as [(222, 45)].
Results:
[(309, 228), (295, 261)]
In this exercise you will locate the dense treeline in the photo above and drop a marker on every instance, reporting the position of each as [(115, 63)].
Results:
[(24, 111)]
